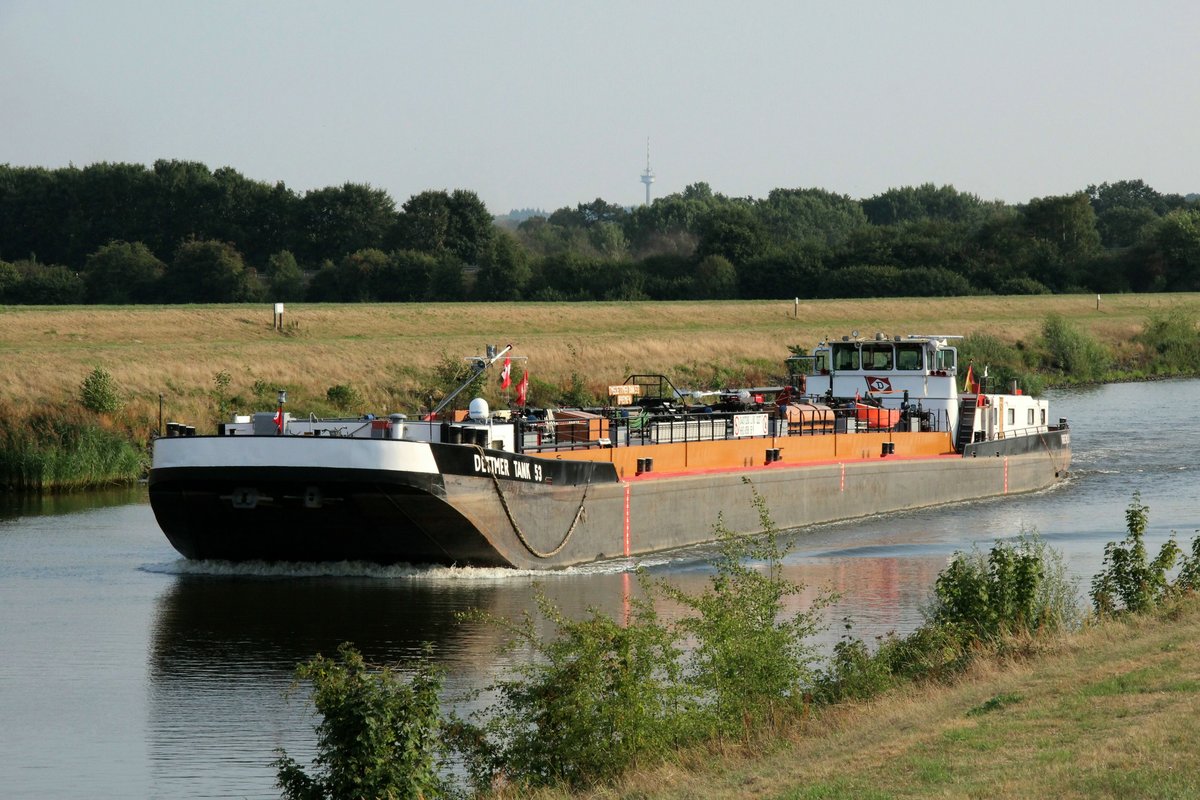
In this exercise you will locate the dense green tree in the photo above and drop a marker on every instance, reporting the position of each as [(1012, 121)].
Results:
[(795, 215), (345, 219), (924, 202), (716, 279), (446, 280), (441, 222), (1122, 226), (671, 225), (1132, 194), (10, 278), (732, 232), (1171, 253), (123, 272), (406, 276), (46, 285), (357, 275), (668, 277), (505, 271), (470, 233), (285, 279), (797, 271), (206, 271), (1123, 209), (1067, 225)]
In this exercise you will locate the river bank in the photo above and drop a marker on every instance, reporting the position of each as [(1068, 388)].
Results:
[(199, 364), (1107, 712)]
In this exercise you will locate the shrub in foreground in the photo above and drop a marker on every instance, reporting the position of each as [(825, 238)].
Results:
[(597, 695), (379, 736), (1129, 580)]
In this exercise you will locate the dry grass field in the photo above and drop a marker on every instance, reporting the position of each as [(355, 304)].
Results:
[(388, 351)]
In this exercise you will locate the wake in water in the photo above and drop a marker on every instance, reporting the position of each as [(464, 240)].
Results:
[(393, 572)]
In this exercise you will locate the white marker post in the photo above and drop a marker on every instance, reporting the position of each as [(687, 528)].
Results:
[(277, 320)]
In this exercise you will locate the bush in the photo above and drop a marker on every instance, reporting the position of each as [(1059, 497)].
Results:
[(1172, 342), (1072, 352), (99, 392), (599, 694), (379, 735), (1128, 581), (344, 397), (1020, 587), (750, 659)]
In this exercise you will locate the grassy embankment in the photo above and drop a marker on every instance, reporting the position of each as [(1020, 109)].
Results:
[(1108, 712), (390, 354)]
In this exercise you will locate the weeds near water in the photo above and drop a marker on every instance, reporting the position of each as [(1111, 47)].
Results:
[(52, 450), (1128, 580)]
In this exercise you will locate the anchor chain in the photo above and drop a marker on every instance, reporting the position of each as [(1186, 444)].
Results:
[(517, 528)]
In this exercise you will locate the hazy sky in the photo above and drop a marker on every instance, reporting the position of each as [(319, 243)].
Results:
[(550, 104)]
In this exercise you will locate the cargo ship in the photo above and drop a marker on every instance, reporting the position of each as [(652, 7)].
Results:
[(861, 426)]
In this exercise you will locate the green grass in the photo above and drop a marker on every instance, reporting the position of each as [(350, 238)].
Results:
[(1107, 712)]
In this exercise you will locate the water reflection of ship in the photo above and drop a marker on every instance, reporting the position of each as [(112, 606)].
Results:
[(17, 504), (224, 650), (239, 624)]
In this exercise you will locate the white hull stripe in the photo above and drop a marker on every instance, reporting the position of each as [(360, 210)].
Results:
[(294, 451)]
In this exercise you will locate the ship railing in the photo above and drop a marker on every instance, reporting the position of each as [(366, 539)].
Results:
[(610, 428), (1014, 433)]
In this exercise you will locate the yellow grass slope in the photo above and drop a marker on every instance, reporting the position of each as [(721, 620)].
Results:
[(383, 350)]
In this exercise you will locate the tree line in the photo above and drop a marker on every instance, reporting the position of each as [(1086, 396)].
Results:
[(179, 232)]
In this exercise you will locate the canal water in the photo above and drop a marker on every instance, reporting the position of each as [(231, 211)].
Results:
[(128, 672)]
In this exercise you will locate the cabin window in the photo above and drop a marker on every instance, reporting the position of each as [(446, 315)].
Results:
[(908, 356), (1012, 416), (946, 359), (845, 356), (877, 357), (1030, 416), (1043, 416)]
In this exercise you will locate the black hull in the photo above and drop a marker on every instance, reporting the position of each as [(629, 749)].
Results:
[(308, 514), (447, 510)]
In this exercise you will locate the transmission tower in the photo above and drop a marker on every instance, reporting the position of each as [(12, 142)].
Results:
[(647, 176)]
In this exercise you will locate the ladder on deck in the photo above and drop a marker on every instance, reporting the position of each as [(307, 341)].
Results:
[(966, 424)]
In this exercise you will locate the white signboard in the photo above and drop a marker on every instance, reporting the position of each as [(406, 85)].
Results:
[(749, 425)]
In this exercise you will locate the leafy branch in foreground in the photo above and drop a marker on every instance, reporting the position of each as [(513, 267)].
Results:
[(597, 695), (378, 737), (751, 659), (601, 694), (1128, 581)]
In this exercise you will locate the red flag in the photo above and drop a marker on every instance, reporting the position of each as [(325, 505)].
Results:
[(969, 380), (506, 374), (522, 389), (279, 420)]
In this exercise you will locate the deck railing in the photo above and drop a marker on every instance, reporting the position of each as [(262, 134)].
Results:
[(625, 427)]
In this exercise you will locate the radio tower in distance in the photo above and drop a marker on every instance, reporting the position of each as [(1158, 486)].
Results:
[(647, 176)]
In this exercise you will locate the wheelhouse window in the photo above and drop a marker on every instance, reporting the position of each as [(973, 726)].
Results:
[(908, 356), (877, 356), (946, 359), (845, 356)]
